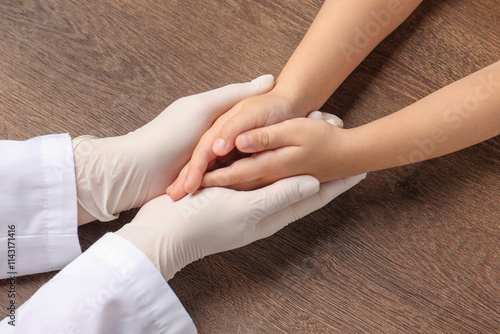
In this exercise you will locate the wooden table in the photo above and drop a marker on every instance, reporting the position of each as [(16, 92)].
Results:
[(410, 250)]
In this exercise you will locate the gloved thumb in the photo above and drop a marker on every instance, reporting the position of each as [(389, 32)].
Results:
[(264, 82)]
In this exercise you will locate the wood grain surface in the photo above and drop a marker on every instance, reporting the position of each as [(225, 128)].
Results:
[(410, 250)]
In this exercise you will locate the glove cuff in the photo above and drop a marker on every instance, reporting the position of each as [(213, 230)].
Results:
[(94, 205)]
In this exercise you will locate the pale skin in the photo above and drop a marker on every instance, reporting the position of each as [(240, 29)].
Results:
[(462, 114), (314, 71), (293, 145)]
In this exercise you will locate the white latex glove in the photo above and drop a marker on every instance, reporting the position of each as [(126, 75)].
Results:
[(119, 173), (174, 234), (330, 118)]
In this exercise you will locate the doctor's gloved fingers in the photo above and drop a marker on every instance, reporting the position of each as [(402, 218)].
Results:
[(330, 118), (281, 197), (331, 189), (327, 192), (283, 193)]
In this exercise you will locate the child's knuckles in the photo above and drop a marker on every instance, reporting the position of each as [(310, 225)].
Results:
[(231, 128), (262, 139), (221, 179)]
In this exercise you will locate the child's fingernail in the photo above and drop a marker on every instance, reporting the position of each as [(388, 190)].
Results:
[(245, 141), (219, 145)]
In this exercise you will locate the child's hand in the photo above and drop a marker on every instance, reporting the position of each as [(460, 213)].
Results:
[(294, 147), (251, 113)]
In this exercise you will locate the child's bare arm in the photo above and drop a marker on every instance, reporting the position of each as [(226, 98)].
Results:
[(341, 36), (456, 116)]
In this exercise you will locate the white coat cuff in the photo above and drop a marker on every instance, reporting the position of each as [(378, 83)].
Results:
[(155, 302), (38, 197)]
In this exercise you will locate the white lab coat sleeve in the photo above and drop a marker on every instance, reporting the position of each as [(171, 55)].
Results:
[(111, 288), (38, 206)]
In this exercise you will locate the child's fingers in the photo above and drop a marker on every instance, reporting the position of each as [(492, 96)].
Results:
[(177, 193), (241, 171), (270, 137), (202, 155), (246, 117), (182, 175), (249, 172), (176, 189), (227, 160)]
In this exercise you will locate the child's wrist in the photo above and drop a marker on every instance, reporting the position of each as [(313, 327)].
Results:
[(298, 104), (343, 153)]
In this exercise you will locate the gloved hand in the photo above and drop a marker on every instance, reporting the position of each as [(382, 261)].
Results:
[(254, 112), (119, 173), (174, 234)]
